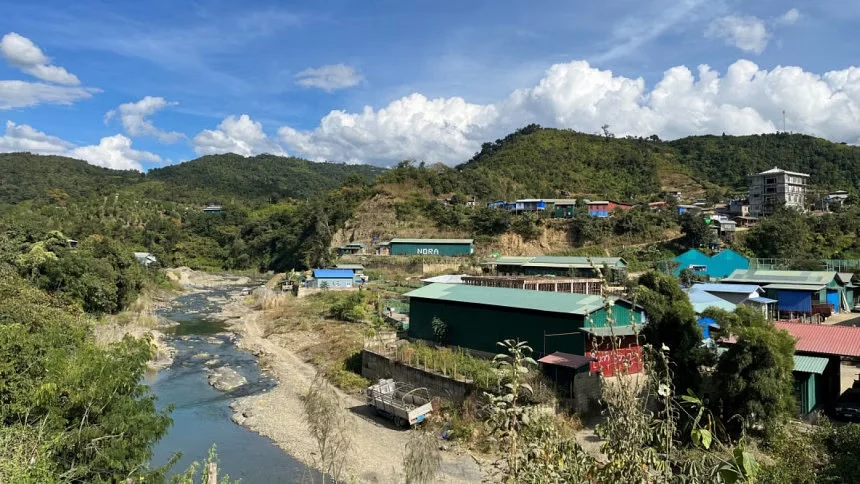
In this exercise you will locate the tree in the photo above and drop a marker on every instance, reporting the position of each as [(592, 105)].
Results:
[(672, 322), (697, 233), (753, 379), (783, 235)]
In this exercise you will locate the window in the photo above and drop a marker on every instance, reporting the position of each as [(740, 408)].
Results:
[(770, 181)]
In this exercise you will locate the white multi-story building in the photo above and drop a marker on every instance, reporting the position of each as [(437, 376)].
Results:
[(773, 188)]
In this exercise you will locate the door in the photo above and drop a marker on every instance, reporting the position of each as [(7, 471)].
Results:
[(833, 299)]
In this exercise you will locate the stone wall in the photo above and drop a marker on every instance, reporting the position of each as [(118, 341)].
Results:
[(375, 366), (587, 391)]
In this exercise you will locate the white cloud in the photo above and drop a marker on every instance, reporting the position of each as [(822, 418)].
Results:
[(21, 52), (575, 95), (133, 117), (114, 152), (748, 34), (241, 135), (111, 152), (789, 18), (329, 78), (20, 137), (21, 94)]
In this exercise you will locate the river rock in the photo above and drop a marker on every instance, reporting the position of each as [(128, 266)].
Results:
[(212, 362), (201, 356), (214, 341), (226, 379)]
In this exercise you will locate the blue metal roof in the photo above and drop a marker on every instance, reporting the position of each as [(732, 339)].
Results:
[(333, 273), (732, 288)]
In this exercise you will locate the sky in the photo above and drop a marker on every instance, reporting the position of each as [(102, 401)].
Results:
[(139, 85)]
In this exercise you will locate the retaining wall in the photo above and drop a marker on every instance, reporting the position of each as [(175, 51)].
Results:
[(375, 366)]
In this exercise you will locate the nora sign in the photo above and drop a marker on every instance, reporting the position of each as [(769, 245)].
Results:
[(427, 251)]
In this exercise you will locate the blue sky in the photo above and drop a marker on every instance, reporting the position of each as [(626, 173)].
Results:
[(381, 81)]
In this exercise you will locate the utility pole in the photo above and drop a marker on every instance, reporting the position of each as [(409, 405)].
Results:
[(783, 121)]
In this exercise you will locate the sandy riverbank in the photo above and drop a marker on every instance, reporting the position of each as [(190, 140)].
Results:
[(377, 448)]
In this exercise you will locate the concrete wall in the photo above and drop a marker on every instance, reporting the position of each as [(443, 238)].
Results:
[(375, 366), (587, 391)]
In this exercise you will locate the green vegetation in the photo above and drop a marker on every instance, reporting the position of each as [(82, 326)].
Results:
[(69, 409), (791, 235)]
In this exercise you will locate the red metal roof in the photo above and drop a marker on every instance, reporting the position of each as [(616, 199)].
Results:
[(824, 339), (566, 359)]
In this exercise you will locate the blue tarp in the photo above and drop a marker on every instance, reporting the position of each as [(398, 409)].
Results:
[(797, 301)]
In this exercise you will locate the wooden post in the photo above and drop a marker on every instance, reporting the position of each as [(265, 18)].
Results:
[(213, 473)]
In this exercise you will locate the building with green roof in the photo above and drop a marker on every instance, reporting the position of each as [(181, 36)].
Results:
[(478, 318), (567, 266), (440, 247)]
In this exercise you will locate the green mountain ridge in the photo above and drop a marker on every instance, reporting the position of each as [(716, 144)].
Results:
[(215, 178)]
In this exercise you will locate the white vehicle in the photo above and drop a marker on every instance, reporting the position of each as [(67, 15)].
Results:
[(405, 404)]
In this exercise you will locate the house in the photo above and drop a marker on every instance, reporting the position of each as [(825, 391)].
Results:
[(674, 193), (744, 221), (701, 302), (212, 208), (776, 187), (725, 229), (445, 279), (383, 248), (801, 292), (733, 293), (817, 355), (145, 258), (72, 243), (658, 205), (352, 248), (332, 279), (530, 205), (477, 318), (441, 247), (576, 266), (355, 268), (735, 208), (562, 207), (604, 208), (682, 209), (718, 266)]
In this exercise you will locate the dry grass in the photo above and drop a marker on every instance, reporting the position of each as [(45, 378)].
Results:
[(302, 325)]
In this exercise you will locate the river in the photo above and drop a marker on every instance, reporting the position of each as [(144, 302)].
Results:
[(202, 416)]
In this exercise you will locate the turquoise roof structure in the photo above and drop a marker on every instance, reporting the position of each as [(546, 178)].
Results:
[(718, 266), (692, 257)]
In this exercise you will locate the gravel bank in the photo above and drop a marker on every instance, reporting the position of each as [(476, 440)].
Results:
[(377, 447)]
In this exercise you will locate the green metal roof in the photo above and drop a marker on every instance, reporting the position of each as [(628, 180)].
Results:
[(432, 241), (796, 287), (605, 332), (809, 364), (553, 302), (802, 363), (559, 261), (781, 277)]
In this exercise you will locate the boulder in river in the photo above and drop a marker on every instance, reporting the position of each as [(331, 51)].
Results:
[(226, 379)]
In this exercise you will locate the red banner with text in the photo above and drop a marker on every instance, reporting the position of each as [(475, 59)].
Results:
[(625, 361)]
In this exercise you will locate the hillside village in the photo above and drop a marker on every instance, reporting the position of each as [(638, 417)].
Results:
[(413, 277)]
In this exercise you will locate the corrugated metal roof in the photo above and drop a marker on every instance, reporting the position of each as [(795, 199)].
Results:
[(445, 279), (796, 287), (810, 364), (553, 302), (802, 363), (432, 241), (779, 277), (566, 359), (702, 300), (333, 273), (349, 266), (730, 288), (845, 277), (605, 332), (824, 339), (558, 261), (762, 300)]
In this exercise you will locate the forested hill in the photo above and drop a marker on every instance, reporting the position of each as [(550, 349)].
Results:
[(263, 177), (543, 162), (24, 176), (727, 160), (539, 162), (218, 178)]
